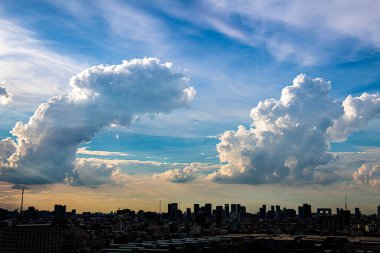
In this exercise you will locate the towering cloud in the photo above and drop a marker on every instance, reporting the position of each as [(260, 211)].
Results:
[(358, 111), (5, 97), (100, 96), (289, 138), (366, 174)]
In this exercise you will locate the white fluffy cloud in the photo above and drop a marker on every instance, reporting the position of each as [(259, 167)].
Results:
[(100, 96), (358, 111), (288, 141), (184, 175), (187, 174), (5, 97), (366, 174)]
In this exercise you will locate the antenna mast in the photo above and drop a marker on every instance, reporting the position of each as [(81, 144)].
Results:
[(22, 203), (345, 202)]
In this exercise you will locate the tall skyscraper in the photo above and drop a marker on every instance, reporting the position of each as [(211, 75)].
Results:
[(208, 209), (227, 210), (378, 212), (59, 212), (304, 211), (219, 214), (196, 208), (172, 211), (233, 208), (263, 211)]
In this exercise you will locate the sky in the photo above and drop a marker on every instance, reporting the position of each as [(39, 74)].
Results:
[(123, 104)]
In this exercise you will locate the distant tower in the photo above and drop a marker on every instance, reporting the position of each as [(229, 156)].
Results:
[(159, 208), (345, 202), (22, 204)]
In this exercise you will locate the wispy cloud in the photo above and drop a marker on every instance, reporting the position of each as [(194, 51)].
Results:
[(86, 151), (44, 71)]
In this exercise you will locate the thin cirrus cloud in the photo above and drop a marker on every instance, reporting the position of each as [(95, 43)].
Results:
[(45, 149), (288, 141), (45, 72), (275, 24), (86, 151)]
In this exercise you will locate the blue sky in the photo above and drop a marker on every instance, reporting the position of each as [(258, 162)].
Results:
[(235, 54)]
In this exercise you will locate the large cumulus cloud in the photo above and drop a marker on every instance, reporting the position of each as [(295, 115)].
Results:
[(102, 95), (288, 141), (367, 174), (358, 111)]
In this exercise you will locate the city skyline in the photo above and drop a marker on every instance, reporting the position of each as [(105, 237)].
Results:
[(131, 103)]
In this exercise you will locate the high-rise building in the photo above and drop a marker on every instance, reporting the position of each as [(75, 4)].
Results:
[(227, 210), (188, 212), (233, 208), (59, 212), (208, 209), (358, 214), (219, 214), (304, 211), (263, 211), (172, 211), (196, 208), (378, 212)]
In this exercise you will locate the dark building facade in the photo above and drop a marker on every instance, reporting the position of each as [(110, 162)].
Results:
[(37, 238)]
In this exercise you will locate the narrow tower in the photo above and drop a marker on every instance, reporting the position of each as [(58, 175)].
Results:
[(22, 204), (345, 202)]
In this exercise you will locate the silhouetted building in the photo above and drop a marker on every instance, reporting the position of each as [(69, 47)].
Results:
[(304, 211), (324, 212), (289, 213), (227, 210), (263, 211), (188, 212), (358, 214), (172, 211), (30, 213), (200, 219), (243, 211), (59, 212), (330, 224), (208, 209), (378, 212), (233, 208), (196, 208), (41, 238), (219, 214), (344, 216), (3, 214)]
